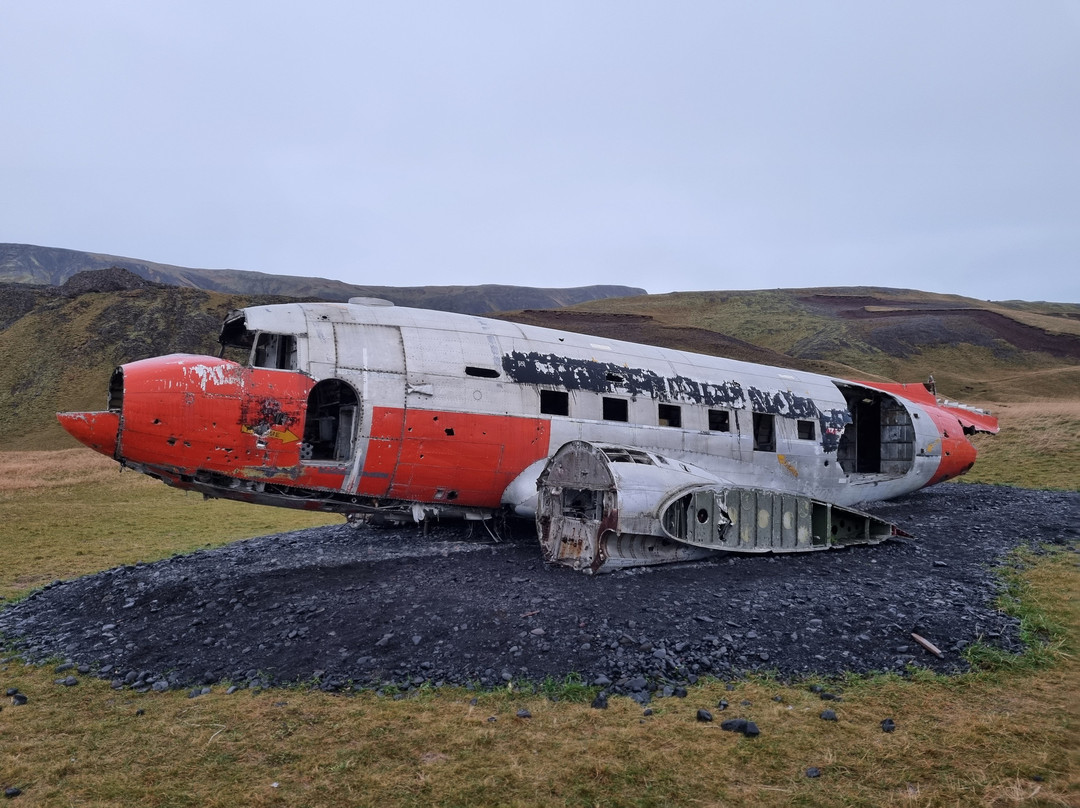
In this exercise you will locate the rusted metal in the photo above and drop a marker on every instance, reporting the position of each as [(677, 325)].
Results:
[(601, 508)]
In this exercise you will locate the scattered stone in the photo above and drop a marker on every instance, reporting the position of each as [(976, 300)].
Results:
[(524, 714), (600, 702), (407, 576), (813, 771), (12, 792), (704, 715), (68, 681), (722, 704), (828, 715), (734, 725), (888, 725), (19, 699)]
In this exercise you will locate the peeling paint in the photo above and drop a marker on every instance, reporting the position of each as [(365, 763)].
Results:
[(787, 464)]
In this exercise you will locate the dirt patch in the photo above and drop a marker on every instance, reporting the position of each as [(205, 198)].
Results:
[(896, 325)]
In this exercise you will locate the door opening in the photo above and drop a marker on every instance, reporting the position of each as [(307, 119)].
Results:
[(330, 426)]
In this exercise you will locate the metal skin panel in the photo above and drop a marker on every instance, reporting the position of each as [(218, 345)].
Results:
[(448, 415)]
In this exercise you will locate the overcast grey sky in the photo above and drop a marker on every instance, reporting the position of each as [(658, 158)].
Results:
[(673, 146)]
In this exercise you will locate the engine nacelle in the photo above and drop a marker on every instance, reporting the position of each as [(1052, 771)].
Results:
[(602, 508)]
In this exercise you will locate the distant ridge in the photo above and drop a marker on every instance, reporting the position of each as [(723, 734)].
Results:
[(53, 266)]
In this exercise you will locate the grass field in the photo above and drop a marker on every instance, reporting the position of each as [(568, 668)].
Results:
[(1007, 735)]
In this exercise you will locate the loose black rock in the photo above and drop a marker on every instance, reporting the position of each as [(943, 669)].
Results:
[(813, 771), (888, 725), (704, 715), (828, 715), (349, 603)]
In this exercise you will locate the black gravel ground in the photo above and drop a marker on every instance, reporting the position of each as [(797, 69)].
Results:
[(345, 607)]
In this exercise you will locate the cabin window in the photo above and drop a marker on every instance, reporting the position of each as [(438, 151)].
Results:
[(332, 412), (669, 415), (274, 351), (616, 409), (807, 430), (483, 373), (554, 402), (719, 421), (764, 432)]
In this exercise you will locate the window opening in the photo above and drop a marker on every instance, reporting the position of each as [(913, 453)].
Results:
[(669, 415), (616, 409), (554, 402), (719, 421), (274, 351), (483, 373), (332, 413), (806, 430), (764, 432)]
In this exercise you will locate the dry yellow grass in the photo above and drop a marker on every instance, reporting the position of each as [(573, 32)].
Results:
[(73, 512), (1038, 446)]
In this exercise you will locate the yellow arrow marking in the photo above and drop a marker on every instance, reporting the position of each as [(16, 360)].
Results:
[(283, 435)]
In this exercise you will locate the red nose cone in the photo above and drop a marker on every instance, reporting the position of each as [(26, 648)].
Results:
[(98, 430)]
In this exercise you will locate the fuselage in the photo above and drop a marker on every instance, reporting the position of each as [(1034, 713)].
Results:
[(368, 407)]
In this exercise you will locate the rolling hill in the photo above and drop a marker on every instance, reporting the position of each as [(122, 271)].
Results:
[(52, 266), (60, 343), (1006, 351)]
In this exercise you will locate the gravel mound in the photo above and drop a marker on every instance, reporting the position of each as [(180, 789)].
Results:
[(368, 607)]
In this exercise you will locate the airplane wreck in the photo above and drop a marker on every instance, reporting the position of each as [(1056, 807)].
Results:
[(624, 454)]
